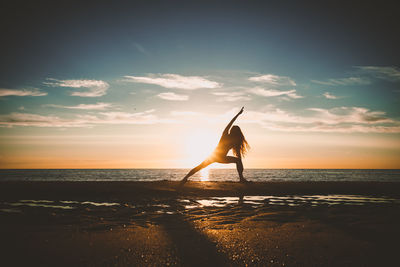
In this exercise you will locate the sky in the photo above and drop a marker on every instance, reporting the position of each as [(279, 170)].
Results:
[(152, 84)]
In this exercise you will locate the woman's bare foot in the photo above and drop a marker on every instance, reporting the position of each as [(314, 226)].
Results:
[(242, 180), (182, 183)]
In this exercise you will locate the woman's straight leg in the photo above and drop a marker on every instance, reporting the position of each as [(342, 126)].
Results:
[(196, 169)]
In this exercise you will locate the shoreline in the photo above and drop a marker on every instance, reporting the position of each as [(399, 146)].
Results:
[(131, 190)]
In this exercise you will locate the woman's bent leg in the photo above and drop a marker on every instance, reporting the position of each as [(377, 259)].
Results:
[(239, 165)]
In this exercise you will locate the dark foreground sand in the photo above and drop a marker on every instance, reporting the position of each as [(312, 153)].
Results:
[(204, 224)]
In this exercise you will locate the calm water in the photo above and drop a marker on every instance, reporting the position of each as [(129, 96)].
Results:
[(205, 175)]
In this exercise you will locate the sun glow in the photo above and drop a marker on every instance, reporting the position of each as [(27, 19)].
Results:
[(198, 146), (205, 174)]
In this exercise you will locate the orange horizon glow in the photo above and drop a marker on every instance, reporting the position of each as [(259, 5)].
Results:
[(188, 147)]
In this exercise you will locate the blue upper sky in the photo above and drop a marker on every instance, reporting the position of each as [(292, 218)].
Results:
[(297, 66)]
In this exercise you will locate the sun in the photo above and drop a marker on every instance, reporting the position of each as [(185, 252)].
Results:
[(198, 146)]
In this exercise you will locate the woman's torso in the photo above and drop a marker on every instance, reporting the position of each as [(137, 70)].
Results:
[(224, 145)]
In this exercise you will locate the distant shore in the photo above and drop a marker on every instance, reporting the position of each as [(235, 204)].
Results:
[(202, 224)]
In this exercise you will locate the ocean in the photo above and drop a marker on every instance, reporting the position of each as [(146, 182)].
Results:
[(257, 175)]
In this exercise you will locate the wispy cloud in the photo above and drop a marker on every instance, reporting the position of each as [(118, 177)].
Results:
[(343, 128), (329, 96), (231, 96), (181, 113), (173, 97), (36, 120), (22, 92), (340, 119), (96, 87), (386, 73), (146, 117), (174, 81), (322, 116), (335, 120), (272, 92), (273, 79), (366, 73), (344, 81), (97, 106), (350, 115), (140, 48)]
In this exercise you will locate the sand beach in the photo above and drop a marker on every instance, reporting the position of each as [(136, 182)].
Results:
[(203, 224)]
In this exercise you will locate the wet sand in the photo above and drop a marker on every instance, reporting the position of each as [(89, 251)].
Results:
[(204, 224)]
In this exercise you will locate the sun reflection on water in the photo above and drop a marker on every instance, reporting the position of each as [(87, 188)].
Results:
[(204, 174)]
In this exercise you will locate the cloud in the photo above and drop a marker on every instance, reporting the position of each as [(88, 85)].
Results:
[(349, 115), (334, 128), (23, 92), (335, 120), (36, 120), (329, 96), (140, 48), (340, 120), (272, 92), (97, 106), (145, 117), (173, 97), (366, 73), (185, 113), (231, 96), (190, 117), (273, 79), (344, 81), (174, 81), (96, 87), (385, 73)]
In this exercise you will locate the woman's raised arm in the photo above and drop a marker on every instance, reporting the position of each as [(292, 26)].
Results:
[(232, 121)]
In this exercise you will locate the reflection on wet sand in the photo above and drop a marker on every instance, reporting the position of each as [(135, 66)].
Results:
[(257, 230), (313, 200), (41, 203), (218, 202)]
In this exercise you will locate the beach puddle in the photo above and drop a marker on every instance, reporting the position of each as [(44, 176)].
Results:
[(39, 204), (63, 204), (311, 200), (97, 204), (178, 205), (218, 201), (10, 210)]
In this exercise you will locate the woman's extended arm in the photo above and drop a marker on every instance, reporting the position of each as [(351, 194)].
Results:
[(232, 121)]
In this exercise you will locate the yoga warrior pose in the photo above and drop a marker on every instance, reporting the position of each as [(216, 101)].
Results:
[(232, 139)]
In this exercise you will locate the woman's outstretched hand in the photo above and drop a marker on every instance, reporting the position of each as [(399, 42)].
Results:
[(226, 131)]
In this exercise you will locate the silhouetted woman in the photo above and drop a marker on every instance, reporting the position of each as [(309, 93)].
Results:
[(232, 139)]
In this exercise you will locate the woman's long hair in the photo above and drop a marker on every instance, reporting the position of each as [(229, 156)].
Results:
[(240, 146)]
